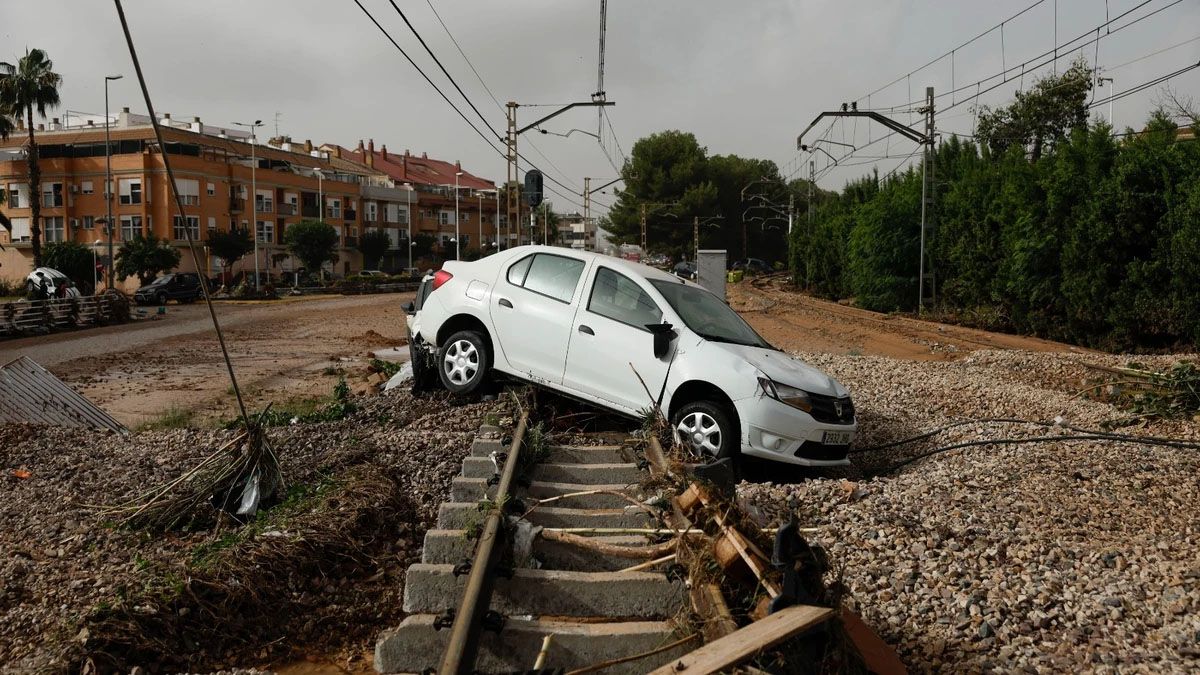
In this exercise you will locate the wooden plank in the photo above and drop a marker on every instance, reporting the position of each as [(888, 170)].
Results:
[(746, 642), (715, 619)]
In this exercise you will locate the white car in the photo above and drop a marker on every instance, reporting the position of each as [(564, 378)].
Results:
[(625, 336)]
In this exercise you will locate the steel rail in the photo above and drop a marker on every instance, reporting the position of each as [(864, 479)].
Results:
[(462, 648)]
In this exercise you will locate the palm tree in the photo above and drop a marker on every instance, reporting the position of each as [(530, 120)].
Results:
[(31, 85)]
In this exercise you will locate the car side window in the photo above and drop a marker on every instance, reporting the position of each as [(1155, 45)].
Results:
[(619, 298), (516, 273), (553, 276)]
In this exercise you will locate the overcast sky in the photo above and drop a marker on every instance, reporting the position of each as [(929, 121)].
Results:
[(744, 76)]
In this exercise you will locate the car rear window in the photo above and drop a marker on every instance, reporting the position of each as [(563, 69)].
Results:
[(552, 275)]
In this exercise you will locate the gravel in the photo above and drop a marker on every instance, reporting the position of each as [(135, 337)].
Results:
[(61, 562), (1052, 557)]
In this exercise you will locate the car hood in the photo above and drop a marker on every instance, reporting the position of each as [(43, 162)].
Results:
[(785, 369)]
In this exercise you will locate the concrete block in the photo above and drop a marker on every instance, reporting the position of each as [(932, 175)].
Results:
[(590, 474), (430, 589), (460, 515), (484, 447), (590, 454), (414, 645), (475, 489), (450, 547)]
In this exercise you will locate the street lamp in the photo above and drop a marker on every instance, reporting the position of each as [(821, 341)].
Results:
[(253, 191), (95, 273), (108, 177), (408, 219), (457, 236)]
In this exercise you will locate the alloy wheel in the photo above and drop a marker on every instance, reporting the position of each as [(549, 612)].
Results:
[(700, 432), (461, 362)]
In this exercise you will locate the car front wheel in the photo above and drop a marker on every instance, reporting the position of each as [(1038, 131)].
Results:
[(706, 430), (463, 362)]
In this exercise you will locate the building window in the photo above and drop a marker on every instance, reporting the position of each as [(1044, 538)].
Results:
[(14, 196), (131, 226), (212, 189), (89, 222), (335, 208), (52, 195), (131, 191), (212, 226), (372, 211), (86, 187), (20, 229), (193, 224), (266, 232), (445, 218), (264, 202), (189, 191), (52, 229)]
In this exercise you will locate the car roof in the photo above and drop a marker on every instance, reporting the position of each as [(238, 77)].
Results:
[(621, 264)]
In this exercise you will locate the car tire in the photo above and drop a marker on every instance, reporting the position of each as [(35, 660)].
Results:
[(161, 298), (706, 430), (462, 362)]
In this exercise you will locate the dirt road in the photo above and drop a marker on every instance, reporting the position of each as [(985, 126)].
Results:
[(797, 322), (284, 350)]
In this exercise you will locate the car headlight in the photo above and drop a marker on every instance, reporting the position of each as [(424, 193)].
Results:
[(797, 398)]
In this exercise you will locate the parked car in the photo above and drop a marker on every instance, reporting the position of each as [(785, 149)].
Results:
[(183, 287), (46, 283), (686, 269), (371, 273), (751, 266), (605, 331)]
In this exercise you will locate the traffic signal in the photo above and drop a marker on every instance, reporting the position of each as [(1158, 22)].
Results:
[(533, 188)]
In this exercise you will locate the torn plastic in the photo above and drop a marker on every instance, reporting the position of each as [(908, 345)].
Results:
[(250, 496), (403, 375), (524, 533)]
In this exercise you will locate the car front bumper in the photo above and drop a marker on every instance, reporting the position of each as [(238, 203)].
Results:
[(776, 431)]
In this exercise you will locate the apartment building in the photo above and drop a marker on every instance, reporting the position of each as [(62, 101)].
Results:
[(574, 231), (223, 180)]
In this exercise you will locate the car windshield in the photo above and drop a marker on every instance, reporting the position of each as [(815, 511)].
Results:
[(707, 315), (160, 281)]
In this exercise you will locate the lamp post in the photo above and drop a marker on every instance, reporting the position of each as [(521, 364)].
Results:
[(496, 224), (408, 189), (253, 192), (95, 272), (108, 186), (457, 236)]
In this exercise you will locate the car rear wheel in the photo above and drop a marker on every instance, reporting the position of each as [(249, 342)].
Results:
[(162, 298), (706, 430), (463, 362)]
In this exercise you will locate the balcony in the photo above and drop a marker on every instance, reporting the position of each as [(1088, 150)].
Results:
[(310, 211), (351, 214), (264, 206), (286, 209), (237, 204)]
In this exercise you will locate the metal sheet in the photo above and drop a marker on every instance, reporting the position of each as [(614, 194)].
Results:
[(710, 271), (31, 394)]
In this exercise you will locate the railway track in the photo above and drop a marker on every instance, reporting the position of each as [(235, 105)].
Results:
[(572, 559)]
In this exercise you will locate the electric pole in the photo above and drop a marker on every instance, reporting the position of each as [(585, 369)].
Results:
[(812, 178), (791, 211), (927, 195), (643, 229), (587, 207), (696, 237)]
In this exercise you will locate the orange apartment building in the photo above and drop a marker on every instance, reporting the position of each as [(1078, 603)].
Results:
[(214, 170)]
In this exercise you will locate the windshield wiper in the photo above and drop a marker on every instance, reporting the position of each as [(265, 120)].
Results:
[(728, 340)]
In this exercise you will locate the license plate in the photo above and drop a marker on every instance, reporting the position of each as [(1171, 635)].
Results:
[(837, 437)]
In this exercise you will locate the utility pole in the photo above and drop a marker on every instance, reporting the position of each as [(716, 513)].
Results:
[(643, 229), (812, 177), (587, 208), (108, 186), (696, 237), (791, 211), (927, 196)]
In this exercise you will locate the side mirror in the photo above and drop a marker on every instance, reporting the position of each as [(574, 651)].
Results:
[(663, 334), (411, 307)]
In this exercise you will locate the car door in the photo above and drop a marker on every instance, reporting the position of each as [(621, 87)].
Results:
[(609, 342), (532, 306)]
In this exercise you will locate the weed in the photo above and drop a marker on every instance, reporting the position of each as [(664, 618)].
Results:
[(388, 368), (307, 411), (173, 418)]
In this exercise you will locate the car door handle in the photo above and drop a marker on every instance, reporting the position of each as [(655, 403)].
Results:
[(505, 303), (586, 329)]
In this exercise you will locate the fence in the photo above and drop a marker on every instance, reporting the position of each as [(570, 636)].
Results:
[(46, 316)]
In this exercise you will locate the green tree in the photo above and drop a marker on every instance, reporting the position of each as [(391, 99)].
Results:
[(230, 246), (72, 259), (145, 257), (31, 85), (373, 244), (1040, 116), (313, 242), (884, 246)]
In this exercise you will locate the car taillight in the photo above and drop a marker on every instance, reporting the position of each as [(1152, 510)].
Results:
[(440, 277)]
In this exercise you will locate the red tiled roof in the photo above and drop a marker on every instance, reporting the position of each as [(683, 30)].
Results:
[(418, 170)]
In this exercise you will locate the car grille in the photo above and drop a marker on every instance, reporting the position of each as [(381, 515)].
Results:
[(826, 409), (815, 450)]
